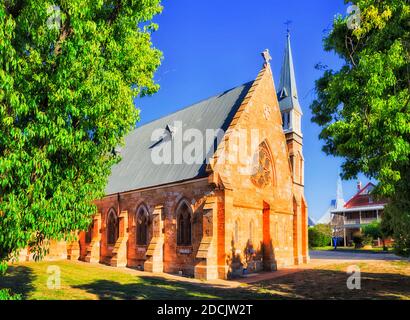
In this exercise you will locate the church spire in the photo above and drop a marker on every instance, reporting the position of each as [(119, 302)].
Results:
[(340, 202), (288, 93)]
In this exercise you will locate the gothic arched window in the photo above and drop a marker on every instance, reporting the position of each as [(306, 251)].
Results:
[(263, 169), (89, 233), (142, 226), (236, 232), (112, 227), (251, 231), (184, 225)]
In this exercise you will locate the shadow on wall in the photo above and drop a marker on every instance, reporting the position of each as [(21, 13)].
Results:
[(250, 260)]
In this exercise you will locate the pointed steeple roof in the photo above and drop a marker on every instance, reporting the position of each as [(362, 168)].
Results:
[(288, 93), (340, 202)]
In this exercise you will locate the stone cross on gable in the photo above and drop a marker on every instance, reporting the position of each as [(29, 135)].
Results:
[(266, 55)]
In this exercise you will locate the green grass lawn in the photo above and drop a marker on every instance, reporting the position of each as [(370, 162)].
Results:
[(94, 281), (380, 280), (352, 249)]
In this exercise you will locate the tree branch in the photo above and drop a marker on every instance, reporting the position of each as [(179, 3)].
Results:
[(115, 12), (348, 50), (66, 31)]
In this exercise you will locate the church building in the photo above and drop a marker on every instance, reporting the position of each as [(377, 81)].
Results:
[(237, 208)]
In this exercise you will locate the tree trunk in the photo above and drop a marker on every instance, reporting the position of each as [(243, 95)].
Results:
[(384, 245)]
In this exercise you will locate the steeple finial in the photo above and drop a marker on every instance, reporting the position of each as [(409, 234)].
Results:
[(288, 23)]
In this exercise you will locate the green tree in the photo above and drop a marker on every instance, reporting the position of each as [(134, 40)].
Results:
[(363, 108), (376, 230), (320, 235), (69, 72), (5, 294)]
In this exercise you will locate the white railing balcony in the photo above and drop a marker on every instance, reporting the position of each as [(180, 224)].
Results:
[(360, 221), (352, 221), (369, 220)]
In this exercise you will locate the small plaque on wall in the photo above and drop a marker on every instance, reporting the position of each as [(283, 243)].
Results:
[(141, 249), (185, 251)]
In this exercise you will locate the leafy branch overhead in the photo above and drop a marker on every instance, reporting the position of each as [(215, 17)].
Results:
[(363, 108), (69, 73)]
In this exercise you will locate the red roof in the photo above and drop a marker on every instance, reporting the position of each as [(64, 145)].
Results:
[(363, 198)]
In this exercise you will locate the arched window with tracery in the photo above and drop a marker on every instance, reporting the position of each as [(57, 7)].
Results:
[(142, 226), (112, 227), (263, 172), (184, 225)]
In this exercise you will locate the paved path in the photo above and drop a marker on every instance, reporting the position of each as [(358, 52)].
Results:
[(318, 258), (261, 276), (348, 256), (321, 258)]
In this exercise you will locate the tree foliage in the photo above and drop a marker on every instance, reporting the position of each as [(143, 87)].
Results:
[(69, 72), (320, 235), (364, 108), (377, 230), (5, 294)]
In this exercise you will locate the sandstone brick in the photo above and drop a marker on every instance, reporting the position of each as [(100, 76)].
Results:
[(236, 224)]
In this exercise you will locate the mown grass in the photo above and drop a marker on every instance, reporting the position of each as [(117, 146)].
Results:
[(94, 281), (352, 249), (379, 280)]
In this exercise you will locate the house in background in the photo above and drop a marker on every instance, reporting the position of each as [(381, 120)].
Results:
[(360, 210), (337, 203)]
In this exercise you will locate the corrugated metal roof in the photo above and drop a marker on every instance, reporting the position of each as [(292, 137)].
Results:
[(137, 170), (361, 208)]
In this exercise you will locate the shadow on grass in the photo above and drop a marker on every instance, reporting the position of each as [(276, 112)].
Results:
[(332, 284), (19, 279), (306, 284), (160, 288), (393, 282)]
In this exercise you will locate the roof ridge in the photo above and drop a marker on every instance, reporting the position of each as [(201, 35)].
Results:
[(358, 192), (195, 103)]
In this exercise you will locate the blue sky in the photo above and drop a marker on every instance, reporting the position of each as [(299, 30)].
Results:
[(211, 46)]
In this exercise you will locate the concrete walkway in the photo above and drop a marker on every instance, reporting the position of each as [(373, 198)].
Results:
[(321, 258), (318, 258), (261, 276), (336, 256)]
